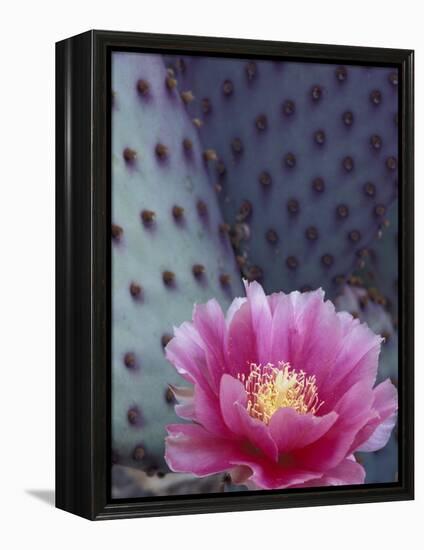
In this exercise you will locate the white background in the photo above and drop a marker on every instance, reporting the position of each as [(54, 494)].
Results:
[(28, 33)]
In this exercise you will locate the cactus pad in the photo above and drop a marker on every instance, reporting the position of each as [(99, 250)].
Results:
[(167, 250)]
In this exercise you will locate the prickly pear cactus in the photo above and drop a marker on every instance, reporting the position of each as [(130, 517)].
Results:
[(381, 466), (307, 161), (168, 251)]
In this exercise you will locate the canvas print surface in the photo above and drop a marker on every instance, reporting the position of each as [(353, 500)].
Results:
[(254, 275)]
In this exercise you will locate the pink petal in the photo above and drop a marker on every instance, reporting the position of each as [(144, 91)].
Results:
[(210, 324), (189, 448), (313, 351), (232, 310), (380, 436), (356, 362), (283, 330), (273, 300), (252, 431), (185, 398), (231, 392), (185, 411), (348, 472), (270, 475), (249, 334), (300, 327), (240, 474), (184, 351), (184, 394), (385, 404), (256, 433), (291, 430), (261, 320), (208, 412), (241, 341), (353, 411)]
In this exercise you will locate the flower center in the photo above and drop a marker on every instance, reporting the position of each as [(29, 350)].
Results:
[(269, 388)]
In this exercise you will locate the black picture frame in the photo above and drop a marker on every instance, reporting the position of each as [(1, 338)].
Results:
[(82, 275)]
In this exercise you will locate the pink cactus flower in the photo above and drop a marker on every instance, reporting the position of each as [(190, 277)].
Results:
[(281, 392)]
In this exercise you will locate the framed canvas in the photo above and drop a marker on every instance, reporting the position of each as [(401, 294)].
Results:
[(234, 274)]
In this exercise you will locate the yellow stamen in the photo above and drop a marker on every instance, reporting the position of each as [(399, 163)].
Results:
[(269, 388)]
